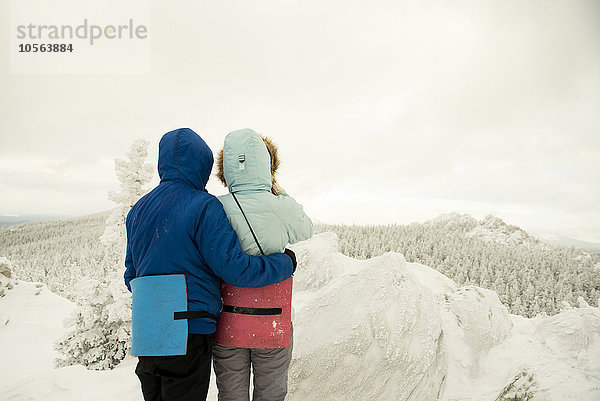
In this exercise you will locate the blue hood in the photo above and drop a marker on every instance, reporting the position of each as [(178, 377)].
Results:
[(184, 157)]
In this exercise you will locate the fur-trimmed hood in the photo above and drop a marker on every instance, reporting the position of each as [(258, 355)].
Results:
[(248, 161)]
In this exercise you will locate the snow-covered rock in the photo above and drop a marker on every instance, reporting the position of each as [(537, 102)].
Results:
[(321, 253), (493, 229), (7, 281), (384, 329), (483, 319), (5, 267), (369, 330)]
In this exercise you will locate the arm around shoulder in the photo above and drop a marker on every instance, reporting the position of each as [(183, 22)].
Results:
[(220, 248)]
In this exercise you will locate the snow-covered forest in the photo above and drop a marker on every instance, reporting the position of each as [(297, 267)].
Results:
[(529, 276), (58, 253)]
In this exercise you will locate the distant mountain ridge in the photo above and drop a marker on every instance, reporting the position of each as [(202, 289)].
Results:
[(493, 228), (565, 241), (490, 229), (9, 220)]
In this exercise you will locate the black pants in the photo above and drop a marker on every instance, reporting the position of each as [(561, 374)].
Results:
[(178, 378)]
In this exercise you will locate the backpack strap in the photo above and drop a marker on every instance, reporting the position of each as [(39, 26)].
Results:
[(249, 226), (193, 315)]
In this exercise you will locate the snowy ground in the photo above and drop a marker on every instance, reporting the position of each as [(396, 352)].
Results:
[(380, 329), (27, 372)]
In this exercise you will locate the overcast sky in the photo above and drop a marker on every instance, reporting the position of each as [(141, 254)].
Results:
[(384, 111)]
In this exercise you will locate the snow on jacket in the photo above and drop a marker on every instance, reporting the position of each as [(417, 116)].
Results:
[(277, 220), (179, 228)]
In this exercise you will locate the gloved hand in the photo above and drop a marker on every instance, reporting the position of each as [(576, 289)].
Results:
[(292, 256)]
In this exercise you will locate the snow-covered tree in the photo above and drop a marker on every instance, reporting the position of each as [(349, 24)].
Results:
[(133, 175), (101, 324)]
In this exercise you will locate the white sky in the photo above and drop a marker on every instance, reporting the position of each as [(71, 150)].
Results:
[(384, 111)]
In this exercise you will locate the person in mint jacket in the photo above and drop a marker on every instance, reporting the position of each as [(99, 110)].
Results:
[(179, 228), (254, 329)]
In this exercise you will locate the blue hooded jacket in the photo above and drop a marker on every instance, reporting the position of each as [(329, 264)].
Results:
[(179, 228)]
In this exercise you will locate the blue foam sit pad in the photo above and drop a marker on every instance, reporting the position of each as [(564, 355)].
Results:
[(155, 332)]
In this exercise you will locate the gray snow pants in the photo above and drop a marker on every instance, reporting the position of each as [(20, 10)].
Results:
[(269, 366)]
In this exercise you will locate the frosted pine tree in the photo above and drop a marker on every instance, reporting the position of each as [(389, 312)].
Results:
[(133, 174), (101, 324)]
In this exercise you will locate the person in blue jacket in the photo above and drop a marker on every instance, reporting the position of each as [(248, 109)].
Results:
[(179, 228)]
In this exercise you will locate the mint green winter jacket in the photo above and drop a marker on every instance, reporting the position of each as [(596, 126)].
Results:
[(277, 220)]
